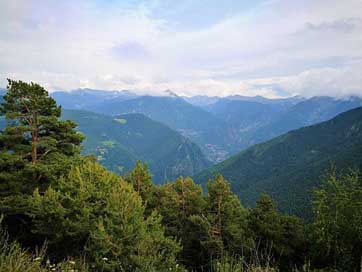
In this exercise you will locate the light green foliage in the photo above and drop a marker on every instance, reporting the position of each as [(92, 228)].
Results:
[(338, 221), (120, 120), (109, 143), (140, 179), (14, 259), (96, 211)]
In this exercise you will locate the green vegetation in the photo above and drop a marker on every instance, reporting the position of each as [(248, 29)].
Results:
[(61, 211), (290, 166)]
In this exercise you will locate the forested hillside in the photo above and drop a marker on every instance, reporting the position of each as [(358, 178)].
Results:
[(119, 141), (290, 166)]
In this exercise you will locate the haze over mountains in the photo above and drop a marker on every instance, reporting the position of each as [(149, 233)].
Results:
[(221, 126)]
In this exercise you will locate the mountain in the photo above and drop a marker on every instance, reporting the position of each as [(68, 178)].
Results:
[(85, 98), (290, 166), (216, 138), (119, 141), (245, 115), (201, 100), (288, 101)]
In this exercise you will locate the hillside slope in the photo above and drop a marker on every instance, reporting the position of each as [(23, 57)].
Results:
[(290, 166), (119, 141)]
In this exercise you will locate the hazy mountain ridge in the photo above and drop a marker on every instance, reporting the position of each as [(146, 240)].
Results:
[(85, 98)]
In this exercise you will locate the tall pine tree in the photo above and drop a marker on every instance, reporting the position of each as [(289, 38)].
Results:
[(35, 142)]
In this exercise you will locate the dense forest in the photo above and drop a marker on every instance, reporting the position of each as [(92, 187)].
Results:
[(63, 211)]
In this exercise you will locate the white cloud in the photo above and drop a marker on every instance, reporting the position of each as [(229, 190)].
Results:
[(307, 47)]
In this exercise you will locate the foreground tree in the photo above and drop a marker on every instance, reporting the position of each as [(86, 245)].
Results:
[(36, 148), (227, 218), (278, 239), (36, 143), (178, 202), (140, 178), (338, 222)]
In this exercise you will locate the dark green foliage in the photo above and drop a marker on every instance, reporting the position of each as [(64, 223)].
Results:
[(290, 166), (36, 148), (118, 142), (35, 144), (227, 219), (280, 237)]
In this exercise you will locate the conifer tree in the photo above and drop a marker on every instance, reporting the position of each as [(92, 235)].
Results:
[(278, 238), (177, 203), (227, 218), (140, 178), (35, 142)]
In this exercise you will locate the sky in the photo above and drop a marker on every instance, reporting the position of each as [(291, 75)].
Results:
[(272, 48)]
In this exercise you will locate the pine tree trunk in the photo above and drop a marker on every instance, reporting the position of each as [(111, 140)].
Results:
[(34, 145)]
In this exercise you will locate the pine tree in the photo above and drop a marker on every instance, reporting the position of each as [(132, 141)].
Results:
[(36, 148), (140, 179), (227, 218), (177, 203), (279, 239), (35, 142)]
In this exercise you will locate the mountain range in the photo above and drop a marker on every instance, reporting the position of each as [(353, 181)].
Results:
[(221, 126)]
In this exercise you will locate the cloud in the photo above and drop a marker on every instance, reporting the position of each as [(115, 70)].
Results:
[(270, 47)]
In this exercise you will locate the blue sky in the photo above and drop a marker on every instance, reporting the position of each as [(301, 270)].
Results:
[(260, 47)]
